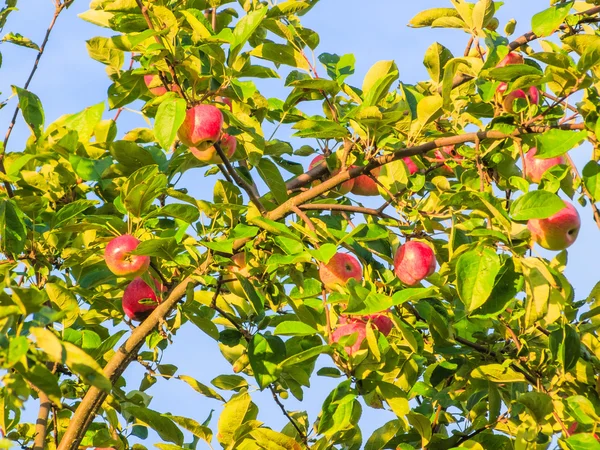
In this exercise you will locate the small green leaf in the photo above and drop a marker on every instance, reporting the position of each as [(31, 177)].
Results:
[(13, 233), (536, 205), (281, 54), (476, 271), (565, 345), (201, 388), (243, 30), (230, 382), (381, 436), (32, 110), (538, 403), (497, 373), (554, 142), (169, 117), (272, 177), (429, 16), (162, 424), (591, 179), (378, 81), (294, 328), (233, 416), (265, 353), (17, 39)]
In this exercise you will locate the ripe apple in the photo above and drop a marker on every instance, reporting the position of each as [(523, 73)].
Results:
[(343, 188), (410, 164), (119, 260), (380, 321), (340, 268), (532, 95), (225, 100), (239, 266), (208, 153), (202, 123), (137, 291), (444, 154), (534, 168), (155, 85), (365, 185), (511, 58), (414, 261), (558, 231), (350, 328), (573, 430)]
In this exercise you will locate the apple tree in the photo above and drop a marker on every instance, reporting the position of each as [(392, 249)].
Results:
[(407, 240)]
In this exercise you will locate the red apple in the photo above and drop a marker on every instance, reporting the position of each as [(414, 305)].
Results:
[(365, 185), (343, 188), (414, 261), (410, 164), (239, 266), (532, 95), (573, 429), (202, 123), (511, 58), (120, 261), (340, 268), (225, 100), (350, 328), (534, 168), (558, 231), (154, 84), (380, 321), (137, 291), (208, 153), (444, 154)]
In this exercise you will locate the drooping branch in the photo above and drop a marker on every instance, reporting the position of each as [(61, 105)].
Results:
[(58, 9)]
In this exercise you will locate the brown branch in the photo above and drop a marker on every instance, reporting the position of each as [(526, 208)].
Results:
[(286, 414), (254, 198), (41, 424), (58, 9), (170, 65), (87, 409)]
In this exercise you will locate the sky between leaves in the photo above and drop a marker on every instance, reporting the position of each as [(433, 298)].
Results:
[(67, 81)]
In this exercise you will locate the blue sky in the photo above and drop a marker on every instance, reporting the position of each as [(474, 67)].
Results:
[(68, 81)]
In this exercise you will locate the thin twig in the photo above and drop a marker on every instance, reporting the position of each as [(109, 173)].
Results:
[(286, 414)]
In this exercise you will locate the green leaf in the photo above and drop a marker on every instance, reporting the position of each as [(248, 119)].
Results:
[(319, 129), (429, 109), (17, 348), (141, 189), (230, 382), (435, 59), (163, 425), (265, 353), (536, 205), (32, 110), (378, 81), (554, 142), (17, 39), (232, 417), (64, 301), (294, 328), (429, 16), (187, 213), (497, 373), (169, 117), (13, 233), (41, 378), (381, 436), (582, 441), (591, 179), (565, 345), (305, 355), (422, 425), (243, 30), (201, 388), (548, 21), (538, 403), (85, 122), (272, 177), (476, 271), (281, 54), (201, 431), (512, 72)]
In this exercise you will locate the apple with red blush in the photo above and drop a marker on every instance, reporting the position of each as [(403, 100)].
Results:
[(139, 299), (208, 153), (414, 261), (202, 123), (340, 268), (558, 231), (119, 259)]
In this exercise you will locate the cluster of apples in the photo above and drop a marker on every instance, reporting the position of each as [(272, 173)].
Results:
[(532, 95), (414, 261), (139, 299)]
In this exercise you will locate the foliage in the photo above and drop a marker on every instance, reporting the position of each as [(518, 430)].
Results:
[(492, 351)]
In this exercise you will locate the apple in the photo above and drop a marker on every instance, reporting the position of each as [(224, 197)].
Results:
[(350, 328), (119, 260), (344, 188), (380, 321), (573, 430), (202, 123), (239, 266), (444, 154), (414, 261), (225, 100), (137, 291), (365, 185), (410, 164), (154, 84), (208, 153), (558, 231), (511, 58), (534, 168), (340, 268), (532, 95)]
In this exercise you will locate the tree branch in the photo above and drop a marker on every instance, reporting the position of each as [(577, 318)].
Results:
[(41, 425), (286, 414), (58, 9)]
